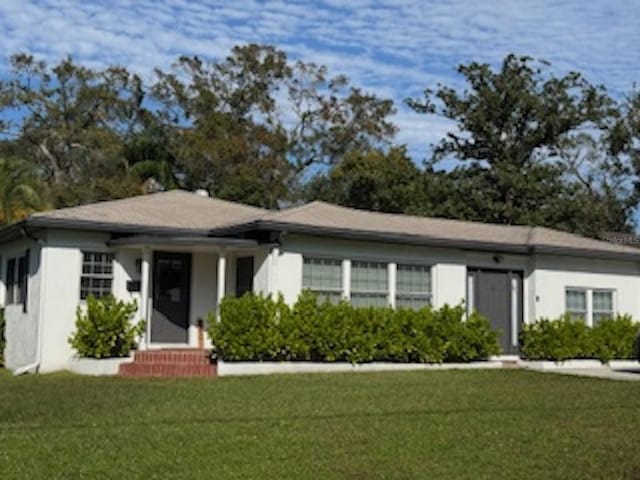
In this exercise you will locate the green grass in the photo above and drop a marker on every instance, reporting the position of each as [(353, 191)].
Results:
[(451, 425)]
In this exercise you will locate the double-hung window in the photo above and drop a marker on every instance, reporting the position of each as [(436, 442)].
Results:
[(97, 274), (589, 305), (602, 301), (576, 303), (413, 286), (369, 284), (323, 276)]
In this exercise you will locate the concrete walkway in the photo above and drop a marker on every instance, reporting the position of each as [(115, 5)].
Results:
[(599, 372)]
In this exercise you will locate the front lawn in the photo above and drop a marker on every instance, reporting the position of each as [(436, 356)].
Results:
[(450, 425)]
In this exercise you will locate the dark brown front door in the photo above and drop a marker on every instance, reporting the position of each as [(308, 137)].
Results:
[(171, 297)]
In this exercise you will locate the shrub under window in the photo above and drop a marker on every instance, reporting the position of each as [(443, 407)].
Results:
[(256, 328), (106, 329)]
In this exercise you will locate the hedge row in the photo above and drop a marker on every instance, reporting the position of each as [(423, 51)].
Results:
[(256, 328), (566, 338)]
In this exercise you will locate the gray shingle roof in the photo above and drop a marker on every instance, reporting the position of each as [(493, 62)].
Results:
[(173, 210), (180, 211), (322, 217)]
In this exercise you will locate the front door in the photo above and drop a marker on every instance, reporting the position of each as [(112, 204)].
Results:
[(171, 296), (497, 294)]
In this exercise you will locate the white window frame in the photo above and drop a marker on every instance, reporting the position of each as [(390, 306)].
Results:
[(97, 276), (609, 313), (428, 295), (378, 293), (589, 313), (324, 291)]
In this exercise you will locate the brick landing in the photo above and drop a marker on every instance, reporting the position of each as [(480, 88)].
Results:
[(169, 363)]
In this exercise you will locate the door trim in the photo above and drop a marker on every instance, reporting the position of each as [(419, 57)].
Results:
[(154, 279)]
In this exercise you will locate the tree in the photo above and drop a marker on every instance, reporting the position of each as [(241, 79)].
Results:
[(248, 128), (516, 130), (72, 122), (18, 190), (373, 180), (623, 139)]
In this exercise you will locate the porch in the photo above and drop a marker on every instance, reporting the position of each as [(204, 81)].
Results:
[(179, 281)]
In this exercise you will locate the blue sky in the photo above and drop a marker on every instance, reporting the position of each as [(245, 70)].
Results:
[(394, 48)]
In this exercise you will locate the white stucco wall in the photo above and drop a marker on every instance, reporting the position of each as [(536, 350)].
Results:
[(21, 327), (203, 291), (553, 274), (61, 289)]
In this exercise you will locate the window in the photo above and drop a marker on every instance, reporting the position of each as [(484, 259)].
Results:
[(576, 303), (323, 276), (590, 305), (11, 281), (97, 274), (602, 305), (413, 286), (369, 286)]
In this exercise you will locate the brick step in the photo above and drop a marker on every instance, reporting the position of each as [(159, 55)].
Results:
[(167, 370), (172, 357)]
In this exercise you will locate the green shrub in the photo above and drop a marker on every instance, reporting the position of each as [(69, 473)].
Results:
[(256, 328), (615, 338), (105, 329), (565, 338), (2, 337)]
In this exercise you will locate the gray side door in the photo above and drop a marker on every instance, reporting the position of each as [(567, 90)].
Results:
[(497, 294), (171, 297)]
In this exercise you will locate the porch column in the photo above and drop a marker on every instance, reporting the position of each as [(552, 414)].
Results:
[(222, 269), (145, 279)]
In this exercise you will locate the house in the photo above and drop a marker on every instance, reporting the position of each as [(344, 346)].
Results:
[(179, 253)]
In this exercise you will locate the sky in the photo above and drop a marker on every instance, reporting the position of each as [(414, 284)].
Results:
[(395, 49)]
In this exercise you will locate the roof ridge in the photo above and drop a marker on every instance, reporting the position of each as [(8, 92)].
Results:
[(287, 211), (404, 215)]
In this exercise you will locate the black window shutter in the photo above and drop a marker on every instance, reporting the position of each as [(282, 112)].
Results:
[(11, 281), (25, 281)]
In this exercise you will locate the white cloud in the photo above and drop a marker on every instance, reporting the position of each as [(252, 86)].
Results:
[(395, 48)]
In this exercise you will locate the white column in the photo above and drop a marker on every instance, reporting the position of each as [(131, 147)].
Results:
[(346, 279), (391, 279), (589, 294), (273, 271), (222, 271), (470, 293), (145, 282)]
